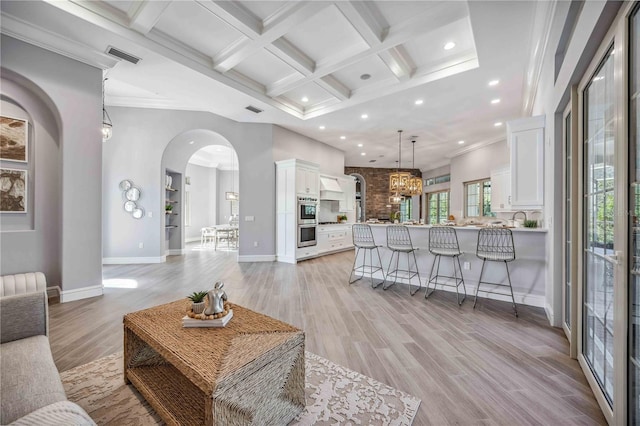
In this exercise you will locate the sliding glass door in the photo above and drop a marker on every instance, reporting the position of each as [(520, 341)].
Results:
[(634, 223), (599, 225)]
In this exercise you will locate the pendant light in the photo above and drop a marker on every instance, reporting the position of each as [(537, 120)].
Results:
[(232, 195), (107, 126), (398, 181), (415, 183)]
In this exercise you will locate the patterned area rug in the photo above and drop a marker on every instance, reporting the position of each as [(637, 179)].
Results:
[(335, 395)]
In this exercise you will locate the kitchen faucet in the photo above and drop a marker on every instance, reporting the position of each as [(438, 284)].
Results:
[(514, 215)]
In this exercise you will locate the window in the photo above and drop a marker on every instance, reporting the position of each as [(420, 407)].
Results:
[(437, 207), (405, 209), (478, 199), (437, 180)]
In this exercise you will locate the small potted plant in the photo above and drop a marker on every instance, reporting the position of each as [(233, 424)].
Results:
[(197, 299), (168, 208), (342, 218)]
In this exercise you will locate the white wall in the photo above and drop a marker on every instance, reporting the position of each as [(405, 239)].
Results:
[(474, 165), (72, 92), (203, 196), (551, 98), (288, 144)]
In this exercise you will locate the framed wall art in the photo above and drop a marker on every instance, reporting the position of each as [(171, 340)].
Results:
[(14, 139), (13, 191)]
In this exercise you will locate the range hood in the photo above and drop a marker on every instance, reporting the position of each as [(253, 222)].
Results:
[(330, 189)]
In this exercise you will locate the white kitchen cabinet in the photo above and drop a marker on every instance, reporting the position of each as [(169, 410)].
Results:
[(307, 181), (501, 189), (332, 238), (525, 138), (348, 204)]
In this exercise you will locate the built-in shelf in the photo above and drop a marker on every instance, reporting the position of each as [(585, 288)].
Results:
[(171, 226), (171, 189), (172, 201), (169, 213)]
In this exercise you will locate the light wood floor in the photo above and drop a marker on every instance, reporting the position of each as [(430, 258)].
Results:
[(468, 366)]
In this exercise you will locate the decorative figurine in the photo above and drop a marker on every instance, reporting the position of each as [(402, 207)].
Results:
[(216, 298)]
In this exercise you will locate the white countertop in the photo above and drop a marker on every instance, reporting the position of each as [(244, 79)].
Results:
[(465, 228)]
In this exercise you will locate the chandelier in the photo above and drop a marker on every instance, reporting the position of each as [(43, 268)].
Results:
[(414, 186), (107, 126), (398, 181)]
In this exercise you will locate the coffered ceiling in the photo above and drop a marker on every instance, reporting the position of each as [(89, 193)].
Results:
[(307, 65)]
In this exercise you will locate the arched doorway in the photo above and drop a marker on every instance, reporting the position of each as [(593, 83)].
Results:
[(361, 198), (188, 201)]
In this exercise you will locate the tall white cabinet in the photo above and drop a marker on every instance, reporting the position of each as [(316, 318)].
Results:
[(293, 178), (525, 138)]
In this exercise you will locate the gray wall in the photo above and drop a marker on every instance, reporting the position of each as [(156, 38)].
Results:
[(227, 181), (203, 195), (288, 144), (63, 98), (147, 141)]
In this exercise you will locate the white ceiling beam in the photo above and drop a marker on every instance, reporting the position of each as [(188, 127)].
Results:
[(234, 15), (32, 34), (168, 50), (399, 62), (437, 16), (364, 19), (335, 87), (287, 17), (144, 15), (292, 56)]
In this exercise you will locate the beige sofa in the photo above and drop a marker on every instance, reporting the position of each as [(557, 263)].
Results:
[(32, 393)]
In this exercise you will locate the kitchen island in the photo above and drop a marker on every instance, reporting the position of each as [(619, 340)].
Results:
[(527, 271)]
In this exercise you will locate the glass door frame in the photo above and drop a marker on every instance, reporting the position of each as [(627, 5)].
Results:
[(574, 207), (618, 37)]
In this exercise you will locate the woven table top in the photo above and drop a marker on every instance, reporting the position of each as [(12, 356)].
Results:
[(208, 355)]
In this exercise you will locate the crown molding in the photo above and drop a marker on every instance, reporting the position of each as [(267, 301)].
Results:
[(38, 36), (540, 32)]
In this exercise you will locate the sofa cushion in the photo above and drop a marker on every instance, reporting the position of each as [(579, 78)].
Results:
[(28, 378), (59, 413)]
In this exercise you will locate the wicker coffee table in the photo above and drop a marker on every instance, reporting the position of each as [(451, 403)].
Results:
[(249, 372)]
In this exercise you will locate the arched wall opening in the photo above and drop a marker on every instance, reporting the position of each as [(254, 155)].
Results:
[(190, 159), (361, 197), (30, 230)]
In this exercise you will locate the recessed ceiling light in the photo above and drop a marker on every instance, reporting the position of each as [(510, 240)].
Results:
[(498, 123), (495, 101), (305, 99), (494, 82), (450, 45), (191, 143), (363, 153), (321, 127), (364, 116), (343, 137), (219, 149), (365, 76), (460, 142), (419, 102), (598, 78), (359, 145)]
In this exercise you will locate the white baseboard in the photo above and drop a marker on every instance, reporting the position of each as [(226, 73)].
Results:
[(192, 240), (257, 258), (549, 311), (80, 293), (286, 259), (175, 252), (132, 260), (539, 301), (53, 291)]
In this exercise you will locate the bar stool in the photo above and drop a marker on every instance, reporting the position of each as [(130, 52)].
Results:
[(443, 241), (496, 245), (399, 241), (363, 240)]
